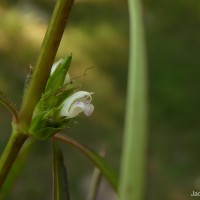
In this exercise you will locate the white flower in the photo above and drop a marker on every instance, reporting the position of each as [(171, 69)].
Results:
[(54, 67), (77, 103)]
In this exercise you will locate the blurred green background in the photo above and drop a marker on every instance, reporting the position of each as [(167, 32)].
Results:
[(98, 36)]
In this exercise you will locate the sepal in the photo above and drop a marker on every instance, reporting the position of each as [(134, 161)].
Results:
[(57, 78), (47, 123)]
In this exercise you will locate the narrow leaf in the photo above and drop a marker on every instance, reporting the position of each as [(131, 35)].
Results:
[(9, 106), (94, 157), (60, 184)]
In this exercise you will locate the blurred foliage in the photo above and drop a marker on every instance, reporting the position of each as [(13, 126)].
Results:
[(97, 35), (173, 47)]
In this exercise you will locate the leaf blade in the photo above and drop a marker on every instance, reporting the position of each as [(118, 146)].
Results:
[(60, 183), (95, 158)]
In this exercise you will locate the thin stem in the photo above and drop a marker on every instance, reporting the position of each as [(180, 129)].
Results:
[(10, 153), (45, 60), (95, 184), (96, 180)]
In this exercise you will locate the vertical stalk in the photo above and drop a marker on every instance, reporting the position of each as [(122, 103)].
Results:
[(36, 86), (45, 60), (133, 164)]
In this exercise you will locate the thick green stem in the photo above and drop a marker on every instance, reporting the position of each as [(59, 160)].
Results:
[(10, 153), (133, 165), (45, 60)]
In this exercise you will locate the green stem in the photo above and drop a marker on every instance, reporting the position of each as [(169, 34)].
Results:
[(45, 60), (36, 86), (96, 180), (95, 184), (10, 153), (133, 164)]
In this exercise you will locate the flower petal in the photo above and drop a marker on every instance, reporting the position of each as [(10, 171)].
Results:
[(77, 103), (89, 108)]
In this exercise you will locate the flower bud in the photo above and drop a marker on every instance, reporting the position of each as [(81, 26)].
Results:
[(54, 67)]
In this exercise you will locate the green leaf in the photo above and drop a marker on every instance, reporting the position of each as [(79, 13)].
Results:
[(60, 183), (94, 157), (9, 106)]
